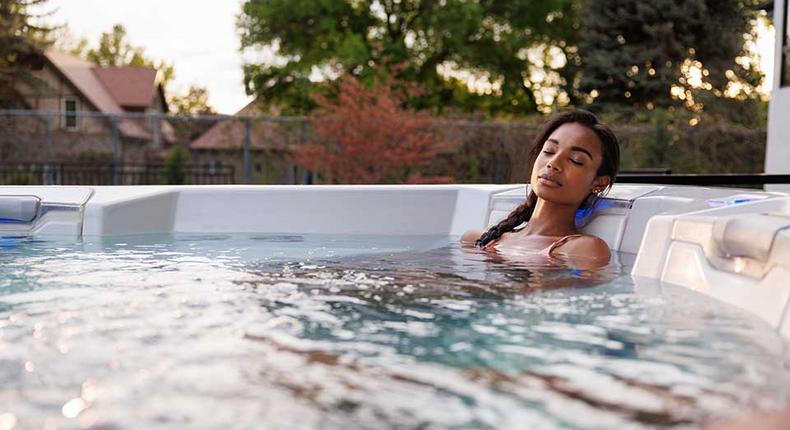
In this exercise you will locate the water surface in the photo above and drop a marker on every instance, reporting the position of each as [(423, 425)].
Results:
[(292, 331)]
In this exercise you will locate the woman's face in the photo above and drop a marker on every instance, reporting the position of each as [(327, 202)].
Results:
[(565, 171)]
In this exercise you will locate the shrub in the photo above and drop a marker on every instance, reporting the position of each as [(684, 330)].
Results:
[(176, 166)]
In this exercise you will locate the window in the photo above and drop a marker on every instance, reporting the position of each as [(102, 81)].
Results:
[(212, 167), (785, 77), (69, 109)]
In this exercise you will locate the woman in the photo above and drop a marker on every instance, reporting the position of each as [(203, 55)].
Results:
[(574, 161)]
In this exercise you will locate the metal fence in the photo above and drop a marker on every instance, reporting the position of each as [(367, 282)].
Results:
[(93, 148), (133, 148), (750, 180), (255, 149), (78, 173)]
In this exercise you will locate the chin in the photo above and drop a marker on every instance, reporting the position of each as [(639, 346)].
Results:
[(550, 197), (555, 195), (548, 193)]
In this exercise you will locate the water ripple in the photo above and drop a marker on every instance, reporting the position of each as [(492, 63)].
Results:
[(213, 331)]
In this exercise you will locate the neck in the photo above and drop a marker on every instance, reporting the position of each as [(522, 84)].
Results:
[(551, 219)]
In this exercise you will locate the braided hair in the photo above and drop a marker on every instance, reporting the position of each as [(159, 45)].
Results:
[(609, 166)]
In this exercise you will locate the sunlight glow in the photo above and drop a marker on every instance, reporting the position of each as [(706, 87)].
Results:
[(7, 421), (477, 82), (74, 407)]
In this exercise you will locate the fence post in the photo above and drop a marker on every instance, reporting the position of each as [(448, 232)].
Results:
[(116, 151), (247, 132), (49, 170)]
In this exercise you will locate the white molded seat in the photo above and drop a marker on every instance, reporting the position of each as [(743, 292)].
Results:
[(780, 252), (23, 209), (748, 235)]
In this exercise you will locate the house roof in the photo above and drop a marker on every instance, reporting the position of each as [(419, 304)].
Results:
[(224, 135), (80, 73), (109, 90), (131, 87), (228, 135)]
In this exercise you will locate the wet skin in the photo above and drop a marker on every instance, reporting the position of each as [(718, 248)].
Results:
[(565, 173)]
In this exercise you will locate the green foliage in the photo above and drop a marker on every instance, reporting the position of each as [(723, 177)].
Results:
[(750, 112), (194, 102), (686, 142), (176, 166), (114, 50), (20, 40), (21, 178), (651, 145), (329, 38), (634, 52)]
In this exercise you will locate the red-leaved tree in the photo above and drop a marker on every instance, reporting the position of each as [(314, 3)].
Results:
[(365, 135)]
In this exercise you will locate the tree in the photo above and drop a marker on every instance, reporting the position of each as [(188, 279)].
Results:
[(175, 166), (20, 40), (114, 50), (646, 54), (365, 135), (194, 102), (445, 43)]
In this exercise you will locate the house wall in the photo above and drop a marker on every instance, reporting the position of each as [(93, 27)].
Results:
[(49, 97), (159, 129), (42, 137), (35, 138)]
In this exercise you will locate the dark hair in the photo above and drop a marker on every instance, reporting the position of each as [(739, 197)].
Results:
[(610, 148)]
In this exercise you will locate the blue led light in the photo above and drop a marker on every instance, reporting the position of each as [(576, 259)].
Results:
[(8, 242), (583, 213), (729, 202), (11, 221)]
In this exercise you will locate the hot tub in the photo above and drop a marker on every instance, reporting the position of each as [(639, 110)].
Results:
[(338, 306)]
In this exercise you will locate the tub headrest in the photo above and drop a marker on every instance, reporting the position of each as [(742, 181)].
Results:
[(749, 235), (19, 209)]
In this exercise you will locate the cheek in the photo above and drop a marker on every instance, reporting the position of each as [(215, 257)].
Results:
[(540, 163), (536, 168), (583, 179), (534, 175)]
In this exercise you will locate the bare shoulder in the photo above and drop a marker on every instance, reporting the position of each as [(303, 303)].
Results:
[(586, 246), (767, 421), (471, 236)]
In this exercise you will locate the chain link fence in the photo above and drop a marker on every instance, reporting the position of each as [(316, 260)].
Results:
[(91, 148)]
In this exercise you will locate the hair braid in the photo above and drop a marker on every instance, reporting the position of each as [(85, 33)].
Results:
[(518, 216)]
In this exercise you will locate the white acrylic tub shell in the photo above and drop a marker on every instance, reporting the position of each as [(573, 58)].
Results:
[(730, 244)]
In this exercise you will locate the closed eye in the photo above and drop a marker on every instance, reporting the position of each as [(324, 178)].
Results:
[(578, 163)]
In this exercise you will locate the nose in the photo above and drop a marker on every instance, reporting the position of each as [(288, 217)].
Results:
[(553, 164)]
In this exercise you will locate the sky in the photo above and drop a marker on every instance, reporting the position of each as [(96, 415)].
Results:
[(199, 38)]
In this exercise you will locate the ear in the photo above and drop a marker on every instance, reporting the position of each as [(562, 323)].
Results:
[(600, 183)]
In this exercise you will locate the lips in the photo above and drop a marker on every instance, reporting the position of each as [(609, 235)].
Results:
[(550, 181)]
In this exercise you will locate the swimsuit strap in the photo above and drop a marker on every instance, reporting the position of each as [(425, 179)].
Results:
[(561, 242)]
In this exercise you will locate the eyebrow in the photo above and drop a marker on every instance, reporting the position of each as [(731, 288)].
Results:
[(573, 148)]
